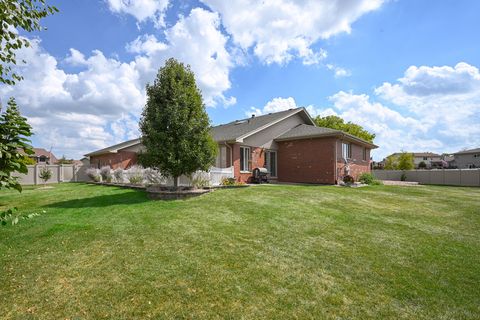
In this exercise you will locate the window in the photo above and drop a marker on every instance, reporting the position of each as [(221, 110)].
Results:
[(271, 162), (365, 152), (425, 158), (221, 161), (346, 150), (245, 159)]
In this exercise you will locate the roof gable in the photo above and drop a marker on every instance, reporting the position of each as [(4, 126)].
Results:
[(305, 131), (241, 129)]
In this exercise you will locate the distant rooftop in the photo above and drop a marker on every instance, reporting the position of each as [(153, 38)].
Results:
[(476, 150)]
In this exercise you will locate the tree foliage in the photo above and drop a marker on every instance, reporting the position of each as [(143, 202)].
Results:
[(174, 125), (337, 123), (45, 174), (64, 160), (405, 161), (402, 161), (15, 15), (14, 131), (27, 160)]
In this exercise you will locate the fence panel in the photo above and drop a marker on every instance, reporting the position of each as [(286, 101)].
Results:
[(453, 177)]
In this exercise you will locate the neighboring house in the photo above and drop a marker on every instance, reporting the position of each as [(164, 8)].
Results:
[(431, 160), (42, 156), (467, 159), (287, 143)]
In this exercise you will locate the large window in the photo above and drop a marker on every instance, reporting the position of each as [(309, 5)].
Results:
[(271, 162), (346, 150), (245, 162), (221, 161), (365, 152)]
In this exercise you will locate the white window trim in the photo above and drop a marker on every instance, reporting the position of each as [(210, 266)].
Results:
[(242, 151), (349, 150)]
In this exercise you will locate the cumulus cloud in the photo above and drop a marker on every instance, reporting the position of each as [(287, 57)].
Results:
[(100, 105), (195, 40), (274, 105), (339, 72), (142, 10), (279, 30), (447, 98)]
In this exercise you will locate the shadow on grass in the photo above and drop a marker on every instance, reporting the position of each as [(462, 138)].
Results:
[(102, 200)]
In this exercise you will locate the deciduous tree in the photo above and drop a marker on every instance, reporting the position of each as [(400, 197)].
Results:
[(14, 131), (335, 122), (14, 15), (175, 127)]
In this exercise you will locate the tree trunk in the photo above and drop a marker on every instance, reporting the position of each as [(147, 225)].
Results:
[(175, 182)]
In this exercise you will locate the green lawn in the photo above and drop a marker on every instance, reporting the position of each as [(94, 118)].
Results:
[(280, 252)]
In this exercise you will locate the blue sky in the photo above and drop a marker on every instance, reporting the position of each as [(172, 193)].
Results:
[(406, 70)]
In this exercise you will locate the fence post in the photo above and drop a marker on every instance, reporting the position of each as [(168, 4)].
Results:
[(35, 174), (60, 173), (74, 172)]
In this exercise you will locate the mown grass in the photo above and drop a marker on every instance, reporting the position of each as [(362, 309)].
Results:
[(279, 252)]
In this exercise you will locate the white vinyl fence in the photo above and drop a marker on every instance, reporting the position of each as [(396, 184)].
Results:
[(60, 173), (452, 177), (77, 173)]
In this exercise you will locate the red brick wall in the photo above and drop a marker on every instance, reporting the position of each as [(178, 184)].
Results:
[(307, 161), (357, 164), (122, 159), (257, 161)]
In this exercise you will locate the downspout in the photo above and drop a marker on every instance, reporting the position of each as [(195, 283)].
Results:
[(336, 158)]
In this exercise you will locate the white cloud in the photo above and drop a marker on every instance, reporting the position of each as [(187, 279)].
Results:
[(72, 112), (274, 105), (195, 40), (142, 10), (100, 105), (447, 98), (339, 72), (279, 30)]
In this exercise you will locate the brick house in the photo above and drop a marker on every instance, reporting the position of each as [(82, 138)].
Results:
[(287, 143)]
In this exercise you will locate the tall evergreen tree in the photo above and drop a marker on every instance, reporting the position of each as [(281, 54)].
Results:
[(175, 127)]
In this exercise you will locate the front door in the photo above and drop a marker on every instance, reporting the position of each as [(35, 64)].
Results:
[(271, 163)]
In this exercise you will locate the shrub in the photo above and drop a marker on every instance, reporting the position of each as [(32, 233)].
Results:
[(348, 179), (45, 174), (422, 165), (228, 181), (135, 175), (106, 174), (153, 176), (368, 178), (200, 180), (93, 174), (403, 177), (118, 175)]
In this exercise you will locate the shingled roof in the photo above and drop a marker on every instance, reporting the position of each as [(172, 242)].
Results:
[(240, 129), (468, 151), (305, 131), (115, 148)]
